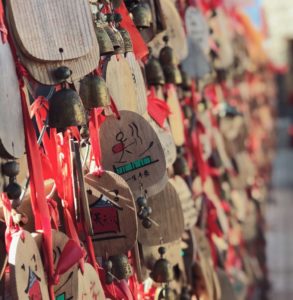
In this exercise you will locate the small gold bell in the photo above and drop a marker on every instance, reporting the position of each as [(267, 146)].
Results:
[(121, 268), (180, 165), (142, 15), (94, 92), (119, 38), (113, 37), (128, 46), (66, 109), (167, 56), (162, 270), (154, 71), (104, 41)]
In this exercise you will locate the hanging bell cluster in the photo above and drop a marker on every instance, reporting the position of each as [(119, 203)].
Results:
[(169, 64), (162, 271)]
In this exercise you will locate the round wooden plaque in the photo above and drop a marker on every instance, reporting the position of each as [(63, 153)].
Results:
[(175, 118), (120, 82), (190, 211), (165, 136), (89, 284), (11, 122), (167, 213), (131, 148), (139, 83), (68, 287), (27, 276), (113, 213)]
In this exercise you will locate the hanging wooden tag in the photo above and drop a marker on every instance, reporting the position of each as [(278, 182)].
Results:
[(3, 257), (139, 83), (131, 148), (51, 37), (11, 123), (227, 289), (175, 118), (197, 28), (175, 32), (68, 285), (190, 211), (120, 82), (89, 284), (113, 213), (166, 139), (27, 276), (168, 216), (222, 35)]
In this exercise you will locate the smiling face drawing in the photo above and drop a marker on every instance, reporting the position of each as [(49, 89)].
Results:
[(26, 268)]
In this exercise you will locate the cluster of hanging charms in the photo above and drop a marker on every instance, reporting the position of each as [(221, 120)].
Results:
[(135, 151)]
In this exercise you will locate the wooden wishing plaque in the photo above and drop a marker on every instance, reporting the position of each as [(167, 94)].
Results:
[(113, 213), (59, 32), (175, 32), (175, 118), (11, 122), (139, 83), (120, 82), (89, 284), (165, 136), (168, 215), (27, 276), (131, 148), (67, 287), (190, 211)]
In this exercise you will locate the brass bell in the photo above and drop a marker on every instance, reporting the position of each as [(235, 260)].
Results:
[(66, 109), (162, 270), (128, 46), (172, 74), (142, 15), (167, 55), (154, 71), (119, 38), (94, 92), (121, 268), (113, 37), (104, 41)]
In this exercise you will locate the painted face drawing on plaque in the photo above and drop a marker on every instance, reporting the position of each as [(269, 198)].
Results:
[(27, 276), (113, 213), (67, 287), (131, 148)]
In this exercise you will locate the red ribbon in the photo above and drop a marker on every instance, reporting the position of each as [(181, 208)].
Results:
[(158, 109), (3, 29), (38, 199)]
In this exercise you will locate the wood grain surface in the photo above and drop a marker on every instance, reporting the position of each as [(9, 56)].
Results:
[(120, 82), (11, 122), (113, 213), (171, 226), (190, 211), (52, 25), (139, 83)]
